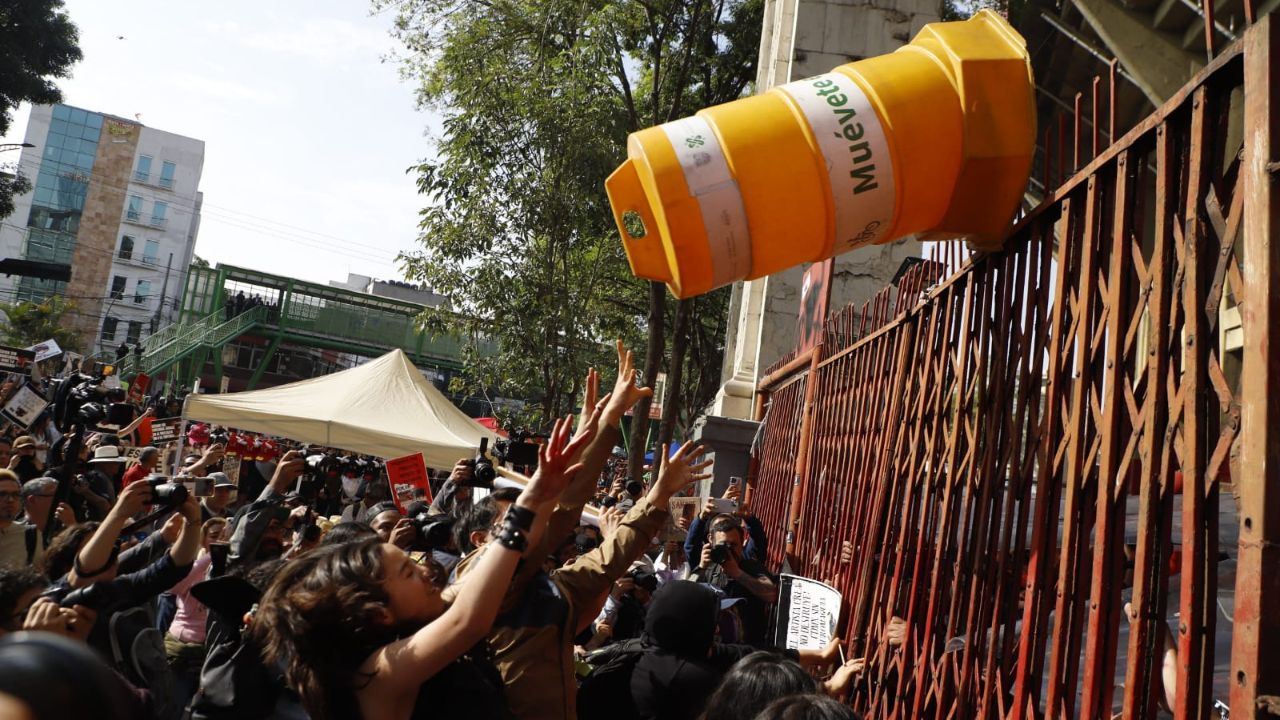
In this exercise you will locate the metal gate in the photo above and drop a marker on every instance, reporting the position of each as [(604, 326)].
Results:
[(1019, 446)]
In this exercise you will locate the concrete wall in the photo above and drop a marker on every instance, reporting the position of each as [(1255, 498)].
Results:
[(174, 238)]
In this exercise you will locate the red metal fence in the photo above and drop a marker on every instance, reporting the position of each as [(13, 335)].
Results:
[(1030, 452)]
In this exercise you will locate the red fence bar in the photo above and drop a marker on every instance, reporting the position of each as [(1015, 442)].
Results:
[(1255, 645)]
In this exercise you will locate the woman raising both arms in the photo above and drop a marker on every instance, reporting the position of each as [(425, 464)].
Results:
[(361, 632)]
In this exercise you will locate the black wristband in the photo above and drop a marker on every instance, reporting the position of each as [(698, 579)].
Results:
[(520, 518), (513, 539)]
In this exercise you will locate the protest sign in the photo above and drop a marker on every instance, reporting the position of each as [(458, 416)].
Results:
[(808, 612), (24, 406), (138, 388), (681, 508), (164, 432), (406, 473), (46, 350), (133, 454), (16, 360)]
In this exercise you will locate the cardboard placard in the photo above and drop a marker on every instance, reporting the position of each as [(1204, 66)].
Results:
[(406, 473), (681, 507), (808, 613), (71, 363), (46, 350), (132, 454), (231, 468), (138, 388), (16, 360), (23, 408), (165, 431)]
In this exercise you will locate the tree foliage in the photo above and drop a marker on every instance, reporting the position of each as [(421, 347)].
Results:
[(38, 44), (29, 323), (538, 97)]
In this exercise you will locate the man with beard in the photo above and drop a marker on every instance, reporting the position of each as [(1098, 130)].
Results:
[(259, 527)]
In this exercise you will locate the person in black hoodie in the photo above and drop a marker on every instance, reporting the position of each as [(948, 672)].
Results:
[(684, 663)]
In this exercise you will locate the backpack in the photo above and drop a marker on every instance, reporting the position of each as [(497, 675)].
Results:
[(137, 650), (604, 690), (32, 533)]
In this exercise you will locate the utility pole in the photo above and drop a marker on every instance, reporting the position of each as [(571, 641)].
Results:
[(164, 293)]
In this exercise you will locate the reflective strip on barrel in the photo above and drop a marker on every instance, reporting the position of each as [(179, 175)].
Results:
[(856, 152), (723, 215)]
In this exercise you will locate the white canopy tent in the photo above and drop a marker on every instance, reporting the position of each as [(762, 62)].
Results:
[(384, 408)]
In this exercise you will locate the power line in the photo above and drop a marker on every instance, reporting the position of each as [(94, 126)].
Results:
[(225, 212)]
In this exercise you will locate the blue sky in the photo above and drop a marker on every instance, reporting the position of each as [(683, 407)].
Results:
[(307, 131)]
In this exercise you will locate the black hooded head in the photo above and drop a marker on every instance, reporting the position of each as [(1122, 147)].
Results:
[(681, 618)]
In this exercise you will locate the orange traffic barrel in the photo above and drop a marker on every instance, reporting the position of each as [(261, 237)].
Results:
[(935, 139)]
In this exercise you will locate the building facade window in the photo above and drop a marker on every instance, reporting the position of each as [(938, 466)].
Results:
[(167, 170), (150, 252), (158, 212), (135, 332), (135, 208), (117, 287), (143, 171), (109, 326), (126, 247), (143, 292)]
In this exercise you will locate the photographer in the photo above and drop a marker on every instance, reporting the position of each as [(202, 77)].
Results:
[(96, 489), (723, 565), (37, 497), (258, 528), (757, 546), (25, 464)]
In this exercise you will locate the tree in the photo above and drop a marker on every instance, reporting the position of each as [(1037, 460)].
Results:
[(29, 323), (38, 43), (538, 98)]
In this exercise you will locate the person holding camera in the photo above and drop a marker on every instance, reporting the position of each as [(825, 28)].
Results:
[(723, 564), (258, 529)]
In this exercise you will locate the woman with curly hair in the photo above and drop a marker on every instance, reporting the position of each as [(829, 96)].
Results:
[(360, 630)]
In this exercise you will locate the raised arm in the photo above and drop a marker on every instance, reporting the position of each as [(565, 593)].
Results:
[(401, 667), (95, 556), (594, 573)]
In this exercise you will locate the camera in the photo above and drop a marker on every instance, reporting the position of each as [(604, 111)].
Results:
[(517, 451), (434, 531), (167, 494), (720, 553), (79, 399)]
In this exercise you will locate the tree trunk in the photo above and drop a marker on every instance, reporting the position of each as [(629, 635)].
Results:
[(652, 361), (675, 379)]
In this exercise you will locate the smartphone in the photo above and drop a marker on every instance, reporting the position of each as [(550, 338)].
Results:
[(724, 506), (735, 481)]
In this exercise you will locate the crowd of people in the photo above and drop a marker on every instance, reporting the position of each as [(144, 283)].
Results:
[(302, 589)]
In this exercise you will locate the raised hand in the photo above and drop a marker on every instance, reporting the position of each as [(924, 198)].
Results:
[(678, 472), (554, 469), (625, 391), (590, 395)]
